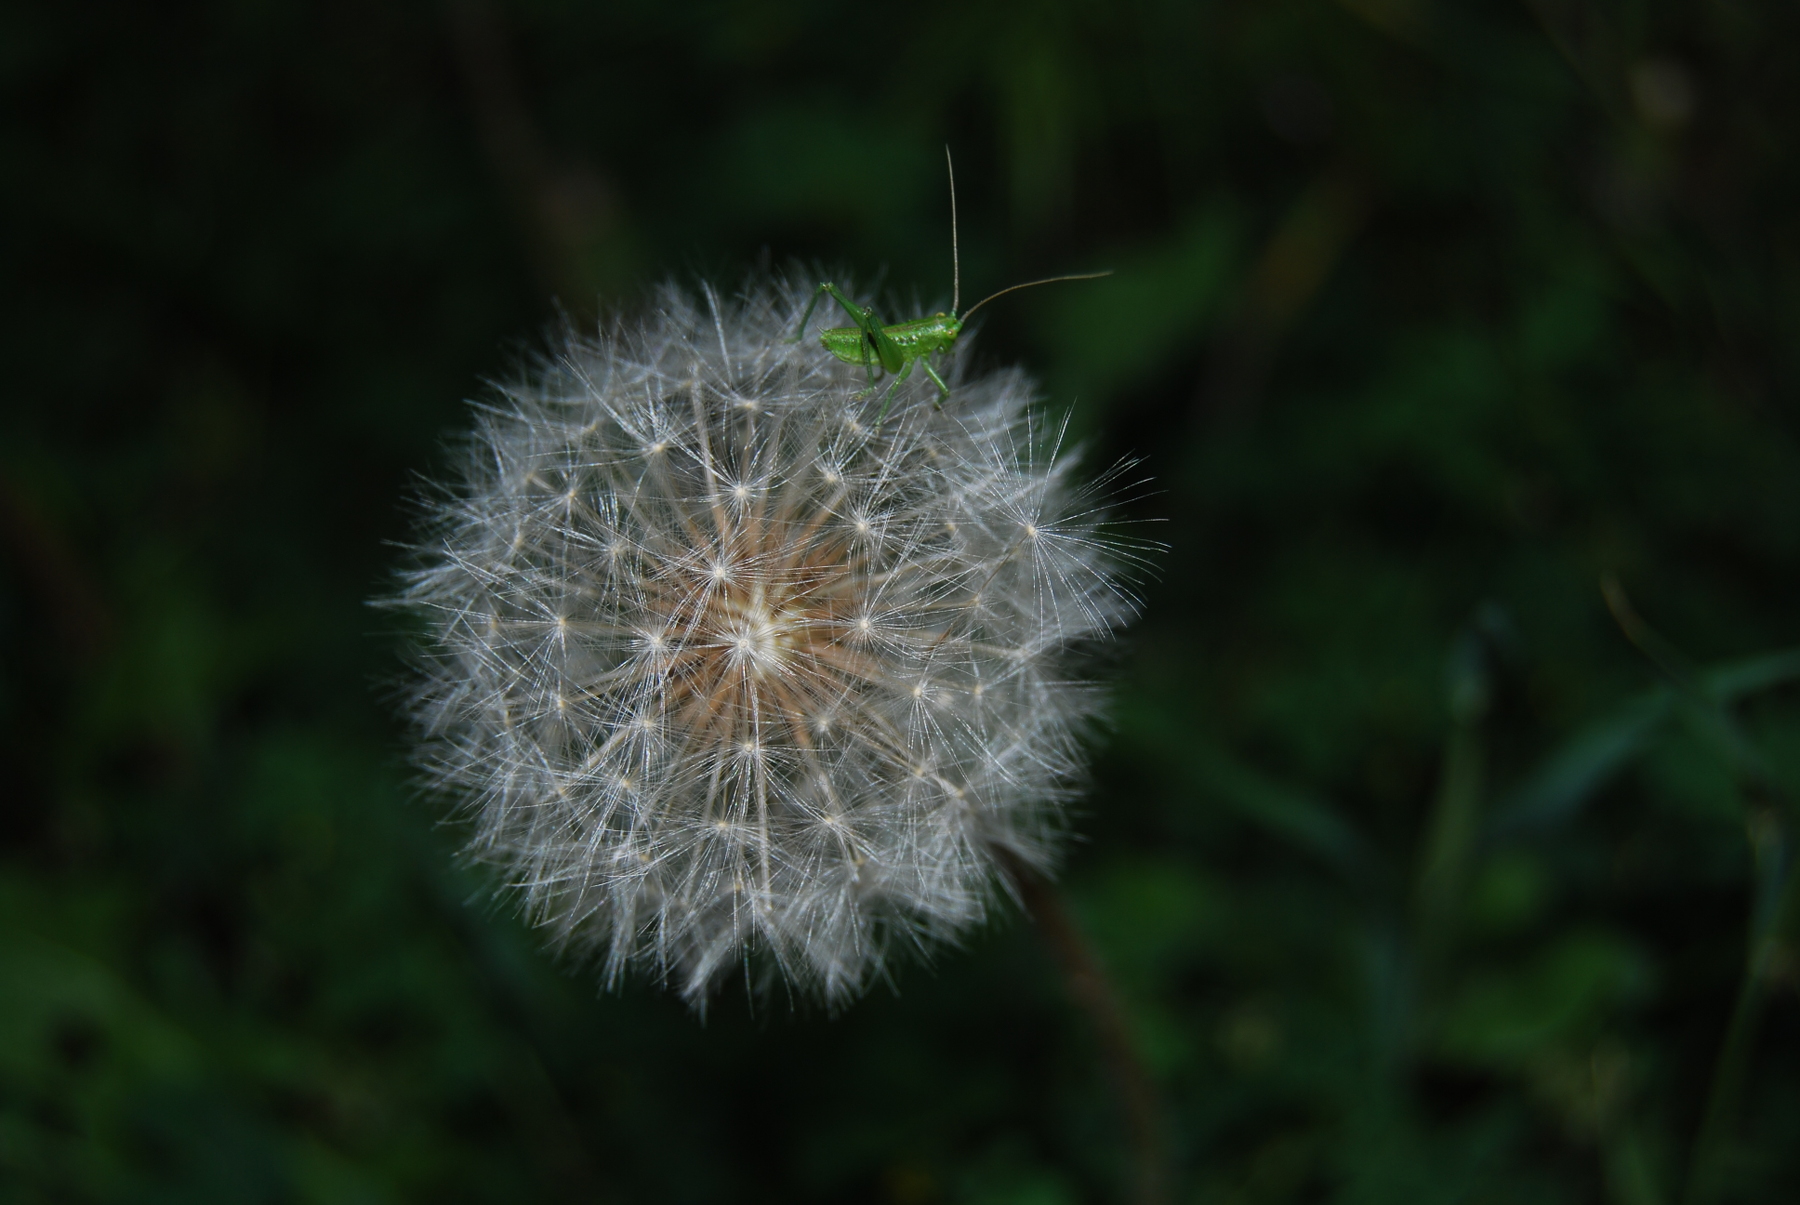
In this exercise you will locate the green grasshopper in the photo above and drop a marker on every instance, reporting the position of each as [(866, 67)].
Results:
[(882, 349)]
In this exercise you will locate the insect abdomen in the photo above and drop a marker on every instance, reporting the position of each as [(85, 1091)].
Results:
[(848, 344)]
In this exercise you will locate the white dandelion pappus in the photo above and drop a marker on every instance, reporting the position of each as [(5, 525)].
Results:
[(723, 671)]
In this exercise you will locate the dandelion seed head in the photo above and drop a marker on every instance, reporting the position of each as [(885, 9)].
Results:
[(725, 671)]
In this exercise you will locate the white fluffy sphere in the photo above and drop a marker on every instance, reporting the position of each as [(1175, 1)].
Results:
[(722, 670)]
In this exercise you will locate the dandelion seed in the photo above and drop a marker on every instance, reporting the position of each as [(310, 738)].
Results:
[(723, 755)]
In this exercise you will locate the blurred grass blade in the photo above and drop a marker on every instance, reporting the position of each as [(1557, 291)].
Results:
[(1286, 812), (1295, 816), (1728, 683), (1454, 829), (1573, 774)]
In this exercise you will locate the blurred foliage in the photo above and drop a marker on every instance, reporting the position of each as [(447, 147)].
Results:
[(1426, 875)]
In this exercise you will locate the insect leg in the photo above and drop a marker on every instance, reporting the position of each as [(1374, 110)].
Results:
[(864, 318), (805, 318), (871, 363), (888, 398), (943, 389)]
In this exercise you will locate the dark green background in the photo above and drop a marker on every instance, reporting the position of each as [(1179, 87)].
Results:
[(1420, 882)]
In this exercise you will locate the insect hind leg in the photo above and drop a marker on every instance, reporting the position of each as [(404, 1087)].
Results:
[(888, 398), (811, 305), (862, 318)]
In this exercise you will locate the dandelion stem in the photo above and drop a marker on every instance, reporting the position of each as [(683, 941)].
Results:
[(1094, 992)]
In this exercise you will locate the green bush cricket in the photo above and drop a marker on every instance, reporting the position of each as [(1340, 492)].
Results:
[(881, 349)]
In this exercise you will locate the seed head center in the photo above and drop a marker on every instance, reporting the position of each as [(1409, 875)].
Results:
[(757, 634)]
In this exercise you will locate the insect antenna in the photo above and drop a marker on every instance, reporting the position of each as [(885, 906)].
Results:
[(1031, 284), (955, 255)]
